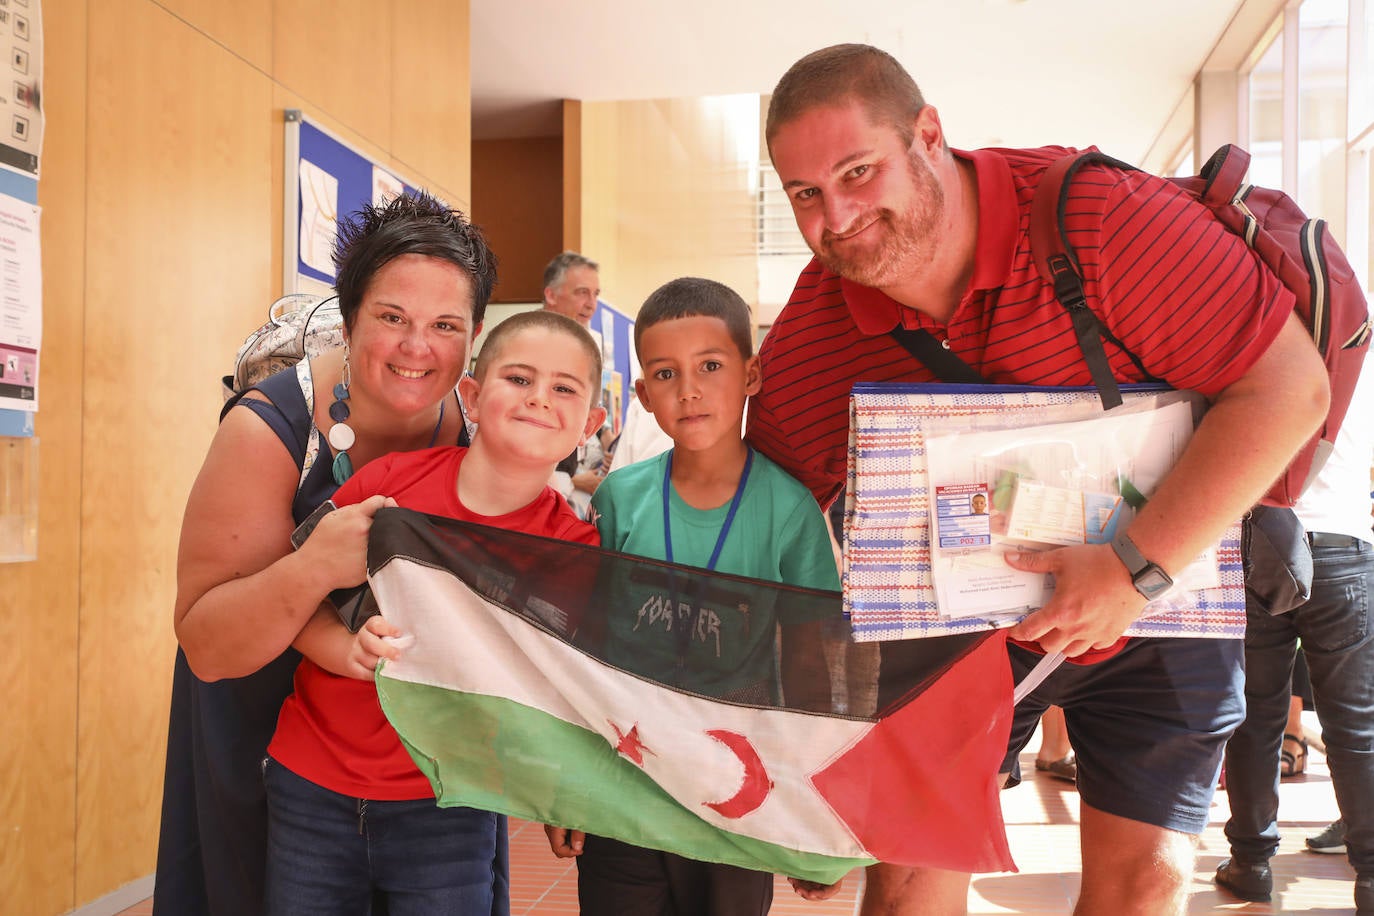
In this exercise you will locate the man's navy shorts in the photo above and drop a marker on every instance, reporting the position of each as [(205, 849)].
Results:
[(1147, 725)]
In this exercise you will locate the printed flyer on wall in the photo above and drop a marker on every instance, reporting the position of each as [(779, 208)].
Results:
[(21, 304)]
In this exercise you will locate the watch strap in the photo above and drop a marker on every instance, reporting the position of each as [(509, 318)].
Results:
[(1128, 553), (1148, 578)]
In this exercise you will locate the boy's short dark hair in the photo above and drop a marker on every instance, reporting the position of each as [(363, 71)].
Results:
[(411, 223), (549, 321), (689, 297)]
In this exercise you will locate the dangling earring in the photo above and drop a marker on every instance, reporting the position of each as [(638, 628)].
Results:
[(341, 435)]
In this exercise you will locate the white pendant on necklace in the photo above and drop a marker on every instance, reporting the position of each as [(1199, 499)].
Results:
[(341, 437)]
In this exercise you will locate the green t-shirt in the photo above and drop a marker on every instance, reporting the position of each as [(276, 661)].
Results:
[(722, 642)]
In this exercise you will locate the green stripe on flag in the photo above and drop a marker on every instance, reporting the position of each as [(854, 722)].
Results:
[(498, 755)]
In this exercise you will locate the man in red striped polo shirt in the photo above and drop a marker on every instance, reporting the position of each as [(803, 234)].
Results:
[(911, 234)]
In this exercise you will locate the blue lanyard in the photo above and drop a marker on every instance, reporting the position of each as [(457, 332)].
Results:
[(729, 516)]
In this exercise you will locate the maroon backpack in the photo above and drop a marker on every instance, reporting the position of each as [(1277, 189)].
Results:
[(1299, 251)]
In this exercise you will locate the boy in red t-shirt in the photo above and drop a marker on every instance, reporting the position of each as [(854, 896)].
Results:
[(350, 817)]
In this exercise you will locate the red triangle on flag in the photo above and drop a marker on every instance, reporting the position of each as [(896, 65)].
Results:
[(921, 788)]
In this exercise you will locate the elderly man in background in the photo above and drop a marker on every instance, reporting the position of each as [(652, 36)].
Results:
[(572, 284)]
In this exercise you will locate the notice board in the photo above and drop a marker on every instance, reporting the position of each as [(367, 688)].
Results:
[(325, 178)]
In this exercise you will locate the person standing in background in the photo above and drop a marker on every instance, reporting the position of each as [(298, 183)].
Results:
[(641, 437), (1335, 630), (572, 283)]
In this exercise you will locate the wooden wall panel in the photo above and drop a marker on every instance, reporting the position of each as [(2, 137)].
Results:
[(336, 54), (179, 266), (599, 183), (667, 192), (38, 601), (516, 199), (572, 174), (431, 124), (162, 185), (244, 26)]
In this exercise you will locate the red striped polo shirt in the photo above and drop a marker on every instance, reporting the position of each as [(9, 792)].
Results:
[(1182, 293)]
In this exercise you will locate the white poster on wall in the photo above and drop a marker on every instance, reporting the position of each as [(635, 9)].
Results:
[(21, 304), (385, 185), (319, 216), (21, 96)]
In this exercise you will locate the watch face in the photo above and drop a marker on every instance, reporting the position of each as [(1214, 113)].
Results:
[(1152, 582)]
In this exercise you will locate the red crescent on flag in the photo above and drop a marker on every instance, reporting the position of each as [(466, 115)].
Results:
[(756, 785)]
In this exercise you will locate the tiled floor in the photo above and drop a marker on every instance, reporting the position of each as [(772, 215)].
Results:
[(1041, 818)]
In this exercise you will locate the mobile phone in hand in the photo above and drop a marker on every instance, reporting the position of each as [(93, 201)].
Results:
[(304, 529)]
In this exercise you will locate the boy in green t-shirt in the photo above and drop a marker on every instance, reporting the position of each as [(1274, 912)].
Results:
[(729, 509)]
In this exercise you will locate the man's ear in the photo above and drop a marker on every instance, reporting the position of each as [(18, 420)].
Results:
[(642, 392), (468, 389), (595, 418), (929, 134), (753, 376)]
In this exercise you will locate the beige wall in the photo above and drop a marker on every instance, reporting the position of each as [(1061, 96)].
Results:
[(517, 199), (660, 189), (161, 195)]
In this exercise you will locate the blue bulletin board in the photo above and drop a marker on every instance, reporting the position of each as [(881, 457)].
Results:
[(617, 332), (325, 177)]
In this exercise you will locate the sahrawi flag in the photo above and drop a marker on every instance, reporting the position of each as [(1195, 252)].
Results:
[(663, 706)]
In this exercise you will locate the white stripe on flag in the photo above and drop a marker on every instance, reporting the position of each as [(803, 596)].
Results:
[(464, 644)]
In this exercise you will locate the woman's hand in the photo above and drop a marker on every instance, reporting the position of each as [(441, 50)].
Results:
[(243, 595), (337, 548)]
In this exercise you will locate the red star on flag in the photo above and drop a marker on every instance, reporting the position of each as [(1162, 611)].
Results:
[(629, 745)]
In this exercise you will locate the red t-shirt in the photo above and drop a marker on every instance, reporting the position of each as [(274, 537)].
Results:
[(1178, 289), (331, 729)]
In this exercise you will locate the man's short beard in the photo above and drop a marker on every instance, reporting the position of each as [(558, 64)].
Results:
[(911, 236)]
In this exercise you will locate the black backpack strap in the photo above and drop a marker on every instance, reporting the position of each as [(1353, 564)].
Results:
[(1058, 266), (929, 352)]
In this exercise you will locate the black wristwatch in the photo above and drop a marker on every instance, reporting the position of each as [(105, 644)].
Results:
[(1147, 577)]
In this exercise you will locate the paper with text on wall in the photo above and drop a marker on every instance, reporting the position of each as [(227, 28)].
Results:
[(1039, 488)]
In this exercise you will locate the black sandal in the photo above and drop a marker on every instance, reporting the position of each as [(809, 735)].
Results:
[(1290, 763), (1065, 768)]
